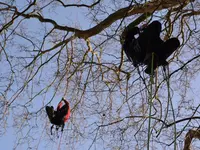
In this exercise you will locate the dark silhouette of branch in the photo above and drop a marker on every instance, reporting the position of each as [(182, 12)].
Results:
[(135, 9), (78, 5), (160, 120)]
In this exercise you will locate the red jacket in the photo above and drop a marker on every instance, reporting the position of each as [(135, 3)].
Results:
[(60, 105)]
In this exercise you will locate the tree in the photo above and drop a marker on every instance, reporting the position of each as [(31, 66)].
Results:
[(54, 48)]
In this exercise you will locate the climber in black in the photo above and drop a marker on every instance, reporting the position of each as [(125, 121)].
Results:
[(59, 116), (139, 50)]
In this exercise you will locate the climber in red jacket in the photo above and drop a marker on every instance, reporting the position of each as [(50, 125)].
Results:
[(60, 116)]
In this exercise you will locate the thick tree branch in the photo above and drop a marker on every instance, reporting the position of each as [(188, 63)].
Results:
[(189, 136), (121, 13), (54, 23), (144, 8)]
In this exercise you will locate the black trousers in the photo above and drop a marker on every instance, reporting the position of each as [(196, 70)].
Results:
[(56, 117)]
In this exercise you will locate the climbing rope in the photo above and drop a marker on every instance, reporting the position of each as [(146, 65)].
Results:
[(150, 102), (60, 141)]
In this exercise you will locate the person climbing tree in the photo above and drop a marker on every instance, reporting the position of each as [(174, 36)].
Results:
[(60, 116), (139, 50)]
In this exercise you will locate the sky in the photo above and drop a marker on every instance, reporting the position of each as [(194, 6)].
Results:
[(62, 17)]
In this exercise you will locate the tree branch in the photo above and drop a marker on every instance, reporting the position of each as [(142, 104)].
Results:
[(143, 8), (79, 5), (189, 136), (128, 11)]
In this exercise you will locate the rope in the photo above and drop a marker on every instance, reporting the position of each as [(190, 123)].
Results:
[(173, 113), (65, 90), (41, 134), (68, 64), (150, 102), (60, 141)]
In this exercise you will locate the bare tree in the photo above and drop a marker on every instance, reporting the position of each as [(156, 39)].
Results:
[(51, 49)]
